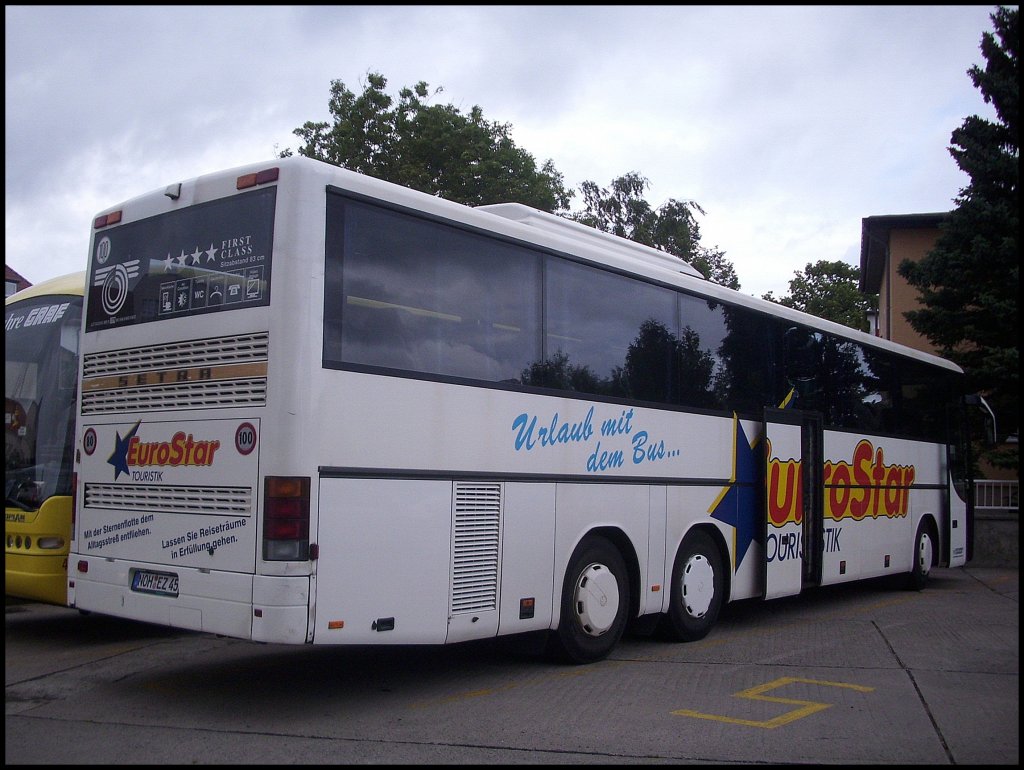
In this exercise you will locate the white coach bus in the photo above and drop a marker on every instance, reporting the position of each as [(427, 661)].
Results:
[(316, 407)]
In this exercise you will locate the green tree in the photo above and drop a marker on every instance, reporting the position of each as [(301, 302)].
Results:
[(622, 210), (433, 148), (829, 290), (968, 284), (714, 266), (437, 149)]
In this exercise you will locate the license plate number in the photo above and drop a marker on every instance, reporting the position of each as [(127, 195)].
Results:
[(163, 583)]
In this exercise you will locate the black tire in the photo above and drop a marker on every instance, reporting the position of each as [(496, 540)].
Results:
[(924, 556), (697, 591), (595, 603)]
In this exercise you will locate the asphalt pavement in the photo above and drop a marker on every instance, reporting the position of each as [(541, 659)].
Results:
[(855, 674)]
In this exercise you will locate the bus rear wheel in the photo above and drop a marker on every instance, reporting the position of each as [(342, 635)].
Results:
[(595, 602), (698, 585)]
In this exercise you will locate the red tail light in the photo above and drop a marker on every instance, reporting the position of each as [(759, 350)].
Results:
[(107, 219), (286, 518), (260, 177)]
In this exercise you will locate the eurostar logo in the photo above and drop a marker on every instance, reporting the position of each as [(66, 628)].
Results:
[(119, 458), (737, 504)]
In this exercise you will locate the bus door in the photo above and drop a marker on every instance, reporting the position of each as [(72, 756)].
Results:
[(794, 501), (963, 428)]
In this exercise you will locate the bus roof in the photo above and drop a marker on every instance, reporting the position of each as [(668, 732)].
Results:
[(514, 220), (544, 220), (72, 283)]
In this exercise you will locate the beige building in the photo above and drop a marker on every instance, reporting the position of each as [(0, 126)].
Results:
[(885, 241)]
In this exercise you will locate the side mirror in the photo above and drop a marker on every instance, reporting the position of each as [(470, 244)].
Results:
[(977, 400), (802, 355)]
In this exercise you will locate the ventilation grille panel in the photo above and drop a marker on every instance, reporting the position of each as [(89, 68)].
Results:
[(475, 547), (177, 355), (194, 374), (197, 395), (224, 501)]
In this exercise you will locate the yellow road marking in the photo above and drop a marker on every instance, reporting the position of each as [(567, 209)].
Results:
[(757, 693)]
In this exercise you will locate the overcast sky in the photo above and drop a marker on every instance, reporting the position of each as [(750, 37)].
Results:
[(787, 125)]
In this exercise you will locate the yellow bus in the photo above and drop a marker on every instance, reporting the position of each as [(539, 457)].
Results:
[(42, 326)]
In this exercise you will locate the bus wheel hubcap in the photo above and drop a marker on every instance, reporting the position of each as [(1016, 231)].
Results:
[(924, 554), (698, 585), (597, 599)]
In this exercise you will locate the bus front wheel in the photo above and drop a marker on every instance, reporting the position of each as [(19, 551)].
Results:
[(698, 585), (924, 553), (595, 602)]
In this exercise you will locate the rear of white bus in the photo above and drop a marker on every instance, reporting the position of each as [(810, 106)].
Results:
[(182, 516)]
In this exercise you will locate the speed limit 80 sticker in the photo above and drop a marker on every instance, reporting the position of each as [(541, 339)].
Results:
[(89, 441), (245, 438)]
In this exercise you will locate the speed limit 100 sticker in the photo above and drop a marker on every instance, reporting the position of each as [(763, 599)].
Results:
[(245, 438)]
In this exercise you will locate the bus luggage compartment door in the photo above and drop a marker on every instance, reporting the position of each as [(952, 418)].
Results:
[(383, 575)]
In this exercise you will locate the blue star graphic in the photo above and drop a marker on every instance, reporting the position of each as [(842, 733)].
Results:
[(119, 458), (738, 505)]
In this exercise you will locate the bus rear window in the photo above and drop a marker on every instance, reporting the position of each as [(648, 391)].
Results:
[(202, 259)]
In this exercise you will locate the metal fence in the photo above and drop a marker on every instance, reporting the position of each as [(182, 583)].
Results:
[(996, 495)]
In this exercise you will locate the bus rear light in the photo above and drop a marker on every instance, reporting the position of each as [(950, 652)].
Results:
[(106, 219), (267, 175), (50, 543), (286, 518), (285, 528), (83, 566), (260, 177)]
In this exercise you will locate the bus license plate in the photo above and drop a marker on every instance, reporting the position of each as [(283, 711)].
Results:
[(163, 583)]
